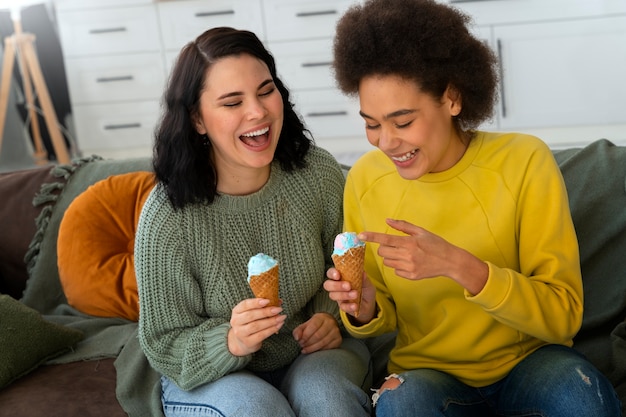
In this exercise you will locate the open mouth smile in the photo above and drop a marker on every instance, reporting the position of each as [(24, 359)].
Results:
[(406, 157), (256, 138), (256, 133)]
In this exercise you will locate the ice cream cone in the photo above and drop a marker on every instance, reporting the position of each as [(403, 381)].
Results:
[(265, 285), (350, 265)]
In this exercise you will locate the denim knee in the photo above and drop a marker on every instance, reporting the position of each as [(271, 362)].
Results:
[(330, 382), (427, 392), (569, 385), (224, 398)]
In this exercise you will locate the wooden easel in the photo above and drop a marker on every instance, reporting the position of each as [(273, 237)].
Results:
[(21, 45)]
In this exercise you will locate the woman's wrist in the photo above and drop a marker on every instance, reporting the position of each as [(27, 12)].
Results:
[(472, 272)]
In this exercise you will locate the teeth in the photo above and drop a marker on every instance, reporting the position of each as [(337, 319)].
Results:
[(405, 157), (256, 132)]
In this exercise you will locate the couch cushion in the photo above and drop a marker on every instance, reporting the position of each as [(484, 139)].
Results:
[(595, 177), (95, 247), (17, 222), (46, 392), (43, 290), (27, 340)]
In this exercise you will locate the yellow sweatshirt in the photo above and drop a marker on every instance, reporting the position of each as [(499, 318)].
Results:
[(505, 202)]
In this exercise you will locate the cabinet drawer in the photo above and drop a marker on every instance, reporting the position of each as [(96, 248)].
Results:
[(305, 64), (118, 77), (183, 21), (95, 32), (95, 4), (303, 19), (562, 73), (328, 113), (116, 126)]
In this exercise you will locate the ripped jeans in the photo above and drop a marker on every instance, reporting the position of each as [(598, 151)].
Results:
[(554, 381)]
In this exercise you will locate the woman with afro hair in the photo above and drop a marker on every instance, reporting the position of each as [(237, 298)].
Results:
[(471, 253)]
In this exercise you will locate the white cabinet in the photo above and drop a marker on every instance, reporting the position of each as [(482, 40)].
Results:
[(304, 64), (115, 70), (303, 19), (567, 73), (305, 67), (300, 36), (104, 128), (562, 64), (331, 117), (182, 21), (63, 5), (112, 78), (96, 32)]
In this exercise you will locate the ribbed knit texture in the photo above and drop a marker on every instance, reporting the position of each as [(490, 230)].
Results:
[(191, 267)]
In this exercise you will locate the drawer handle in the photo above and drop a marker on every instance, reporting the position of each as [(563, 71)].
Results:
[(318, 13), (316, 64), (112, 79), (327, 113), (217, 13), (107, 30), (122, 126)]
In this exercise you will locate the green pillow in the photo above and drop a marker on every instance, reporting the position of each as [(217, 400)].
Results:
[(27, 340)]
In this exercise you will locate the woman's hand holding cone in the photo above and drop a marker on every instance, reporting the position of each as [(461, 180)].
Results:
[(342, 292), (251, 322)]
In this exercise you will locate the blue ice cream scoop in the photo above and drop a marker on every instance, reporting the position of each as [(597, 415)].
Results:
[(260, 263)]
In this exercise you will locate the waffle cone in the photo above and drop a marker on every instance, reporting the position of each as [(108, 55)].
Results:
[(350, 265), (265, 285)]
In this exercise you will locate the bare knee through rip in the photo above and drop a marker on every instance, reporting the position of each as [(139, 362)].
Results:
[(392, 382)]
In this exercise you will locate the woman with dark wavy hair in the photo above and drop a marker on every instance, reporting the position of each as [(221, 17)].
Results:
[(471, 252), (237, 175)]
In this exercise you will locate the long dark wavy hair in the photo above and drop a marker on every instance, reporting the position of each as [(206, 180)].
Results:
[(183, 160), (424, 41)]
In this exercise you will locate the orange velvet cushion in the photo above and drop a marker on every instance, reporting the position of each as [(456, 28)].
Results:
[(95, 247)]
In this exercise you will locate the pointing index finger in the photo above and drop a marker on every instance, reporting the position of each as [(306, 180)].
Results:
[(380, 238)]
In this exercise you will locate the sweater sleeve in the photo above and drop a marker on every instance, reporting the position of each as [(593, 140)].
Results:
[(544, 298), (176, 336)]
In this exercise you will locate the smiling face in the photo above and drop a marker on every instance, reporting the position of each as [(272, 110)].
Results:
[(241, 111), (414, 129)]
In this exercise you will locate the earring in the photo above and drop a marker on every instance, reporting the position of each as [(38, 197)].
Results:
[(206, 142)]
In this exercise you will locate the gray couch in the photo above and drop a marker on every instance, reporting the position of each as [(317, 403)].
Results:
[(100, 371)]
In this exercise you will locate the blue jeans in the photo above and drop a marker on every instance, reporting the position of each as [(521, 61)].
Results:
[(327, 383), (554, 381)]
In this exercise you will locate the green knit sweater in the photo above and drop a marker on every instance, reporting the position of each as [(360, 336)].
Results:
[(191, 267)]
